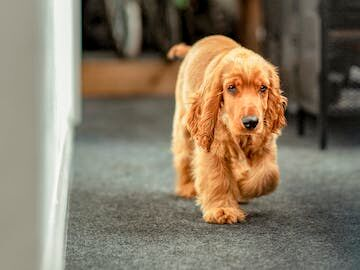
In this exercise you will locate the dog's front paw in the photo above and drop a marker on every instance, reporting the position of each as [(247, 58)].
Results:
[(224, 215)]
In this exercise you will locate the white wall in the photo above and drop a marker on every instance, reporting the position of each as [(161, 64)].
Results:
[(39, 78), (21, 76), (63, 68)]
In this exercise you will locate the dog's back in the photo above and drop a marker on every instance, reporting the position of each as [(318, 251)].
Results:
[(196, 59)]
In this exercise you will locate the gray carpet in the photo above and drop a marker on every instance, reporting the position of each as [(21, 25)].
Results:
[(123, 214)]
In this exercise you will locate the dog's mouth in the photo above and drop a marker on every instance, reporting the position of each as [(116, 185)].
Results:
[(239, 131), (254, 132), (248, 136), (251, 132)]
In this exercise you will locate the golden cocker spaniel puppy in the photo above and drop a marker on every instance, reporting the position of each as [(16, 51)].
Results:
[(229, 112)]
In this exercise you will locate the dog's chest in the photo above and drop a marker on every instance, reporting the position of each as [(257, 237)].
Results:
[(239, 162), (243, 160), (239, 168)]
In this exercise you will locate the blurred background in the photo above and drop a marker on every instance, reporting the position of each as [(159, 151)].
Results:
[(122, 39), (86, 113), (127, 37), (123, 181)]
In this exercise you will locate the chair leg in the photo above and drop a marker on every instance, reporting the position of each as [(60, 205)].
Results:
[(301, 122), (324, 86), (323, 140), (323, 130)]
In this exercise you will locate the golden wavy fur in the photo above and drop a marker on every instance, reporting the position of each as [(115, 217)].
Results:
[(217, 159)]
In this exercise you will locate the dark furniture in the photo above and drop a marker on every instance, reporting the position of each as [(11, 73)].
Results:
[(340, 65)]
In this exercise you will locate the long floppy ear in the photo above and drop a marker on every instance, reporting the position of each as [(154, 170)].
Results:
[(203, 113), (275, 113)]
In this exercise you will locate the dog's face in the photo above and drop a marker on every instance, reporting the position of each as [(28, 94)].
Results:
[(243, 90), (245, 95)]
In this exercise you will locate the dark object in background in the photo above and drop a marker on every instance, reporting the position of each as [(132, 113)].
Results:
[(169, 22), (111, 24), (125, 23), (208, 17), (340, 64), (95, 29), (161, 24), (117, 24)]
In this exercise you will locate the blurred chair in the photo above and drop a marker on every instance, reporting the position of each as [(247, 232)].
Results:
[(317, 46), (338, 90)]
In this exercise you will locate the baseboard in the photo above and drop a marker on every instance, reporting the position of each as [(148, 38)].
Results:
[(114, 77), (54, 249)]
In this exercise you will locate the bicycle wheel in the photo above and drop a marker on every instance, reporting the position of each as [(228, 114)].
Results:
[(125, 22)]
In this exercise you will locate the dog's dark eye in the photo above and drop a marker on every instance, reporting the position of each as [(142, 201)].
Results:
[(232, 88), (263, 88)]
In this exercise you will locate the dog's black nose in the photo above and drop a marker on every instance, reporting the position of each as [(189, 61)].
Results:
[(250, 122)]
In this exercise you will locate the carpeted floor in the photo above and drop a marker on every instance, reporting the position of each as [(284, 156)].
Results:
[(123, 214)]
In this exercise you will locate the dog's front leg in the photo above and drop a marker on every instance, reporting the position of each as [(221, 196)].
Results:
[(216, 188), (262, 179)]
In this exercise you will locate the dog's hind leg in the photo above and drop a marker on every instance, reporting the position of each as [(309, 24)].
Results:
[(182, 148)]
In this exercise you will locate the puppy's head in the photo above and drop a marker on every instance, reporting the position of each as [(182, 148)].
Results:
[(243, 90)]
